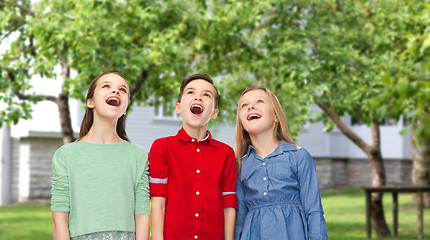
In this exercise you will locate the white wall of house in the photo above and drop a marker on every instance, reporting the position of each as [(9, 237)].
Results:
[(143, 127), (338, 160)]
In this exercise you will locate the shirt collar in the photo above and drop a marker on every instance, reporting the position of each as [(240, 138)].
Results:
[(183, 135), (283, 146), (250, 149)]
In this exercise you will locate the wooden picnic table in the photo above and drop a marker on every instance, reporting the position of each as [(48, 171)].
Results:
[(395, 191)]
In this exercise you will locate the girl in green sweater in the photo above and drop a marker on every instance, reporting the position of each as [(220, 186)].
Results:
[(100, 182)]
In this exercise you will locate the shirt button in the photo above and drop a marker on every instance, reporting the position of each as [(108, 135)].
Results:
[(265, 178), (192, 140), (264, 163), (195, 237), (198, 171), (196, 214), (265, 193), (197, 193), (198, 150)]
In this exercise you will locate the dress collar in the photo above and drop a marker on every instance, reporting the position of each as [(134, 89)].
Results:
[(282, 147)]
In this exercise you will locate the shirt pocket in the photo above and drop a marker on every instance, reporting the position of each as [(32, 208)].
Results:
[(281, 170)]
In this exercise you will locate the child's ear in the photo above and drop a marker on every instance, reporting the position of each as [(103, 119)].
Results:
[(276, 119), (215, 113), (178, 108), (90, 103)]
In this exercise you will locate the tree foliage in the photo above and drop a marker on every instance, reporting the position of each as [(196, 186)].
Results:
[(259, 43), (330, 53), (150, 42), (308, 52), (366, 59), (406, 79)]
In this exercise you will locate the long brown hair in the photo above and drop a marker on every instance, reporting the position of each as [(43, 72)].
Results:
[(242, 139), (88, 119)]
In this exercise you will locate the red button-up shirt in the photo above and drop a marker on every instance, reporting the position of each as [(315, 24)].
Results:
[(198, 178)]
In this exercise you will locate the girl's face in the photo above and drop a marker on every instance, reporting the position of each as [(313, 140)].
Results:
[(110, 99), (256, 112)]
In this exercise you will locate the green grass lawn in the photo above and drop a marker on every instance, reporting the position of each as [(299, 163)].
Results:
[(346, 216), (26, 221), (344, 212)]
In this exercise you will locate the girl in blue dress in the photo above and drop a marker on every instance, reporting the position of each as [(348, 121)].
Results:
[(277, 187)]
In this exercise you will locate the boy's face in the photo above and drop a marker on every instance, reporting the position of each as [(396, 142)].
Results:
[(197, 104)]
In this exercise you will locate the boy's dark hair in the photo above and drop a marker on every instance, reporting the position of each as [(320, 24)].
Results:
[(196, 77)]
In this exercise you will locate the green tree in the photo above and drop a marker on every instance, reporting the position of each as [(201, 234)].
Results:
[(150, 42), (247, 46), (329, 53), (407, 85)]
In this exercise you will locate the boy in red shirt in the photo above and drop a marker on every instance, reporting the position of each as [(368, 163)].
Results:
[(192, 175)]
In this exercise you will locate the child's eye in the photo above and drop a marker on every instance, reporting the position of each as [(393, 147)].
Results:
[(189, 92), (207, 95), (244, 105), (105, 86), (260, 101), (124, 90)]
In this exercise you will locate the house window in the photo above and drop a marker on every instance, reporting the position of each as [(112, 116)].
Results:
[(166, 112), (383, 122)]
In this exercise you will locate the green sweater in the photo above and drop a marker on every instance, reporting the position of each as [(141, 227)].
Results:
[(102, 186)]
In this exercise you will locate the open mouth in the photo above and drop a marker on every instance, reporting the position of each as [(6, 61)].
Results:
[(196, 109), (113, 101), (253, 116)]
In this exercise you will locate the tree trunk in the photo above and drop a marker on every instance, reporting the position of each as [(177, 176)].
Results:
[(65, 119), (63, 104), (420, 164), (373, 152), (137, 85), (378, 179)]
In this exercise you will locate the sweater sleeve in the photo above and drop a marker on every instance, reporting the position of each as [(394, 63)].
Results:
[(60, 201), (310, 197), (141, 197)]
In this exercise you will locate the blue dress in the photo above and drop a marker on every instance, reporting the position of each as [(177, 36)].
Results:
[(279, 196)]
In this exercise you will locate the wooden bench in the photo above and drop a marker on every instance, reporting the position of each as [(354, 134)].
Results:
[(395, 191)]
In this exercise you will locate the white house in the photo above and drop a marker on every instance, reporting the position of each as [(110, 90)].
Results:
[(27, 150)]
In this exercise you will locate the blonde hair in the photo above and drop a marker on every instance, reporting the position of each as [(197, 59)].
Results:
[(281, 132)]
